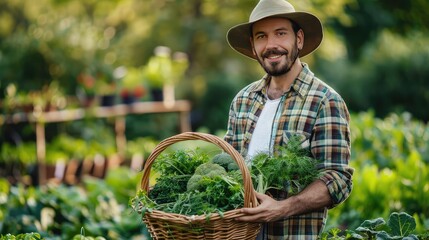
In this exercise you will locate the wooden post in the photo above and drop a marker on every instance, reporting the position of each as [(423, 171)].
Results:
[(121, 141), (185, 125), (41, 151)]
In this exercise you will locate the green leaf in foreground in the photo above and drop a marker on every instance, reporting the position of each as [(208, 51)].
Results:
[(401, 224)]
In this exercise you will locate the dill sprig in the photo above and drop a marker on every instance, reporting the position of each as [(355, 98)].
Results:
[(290, 169)]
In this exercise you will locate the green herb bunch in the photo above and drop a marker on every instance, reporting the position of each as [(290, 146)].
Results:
[(180, 162), (175, 169), (218, 193), (289, 170), (191, 183)]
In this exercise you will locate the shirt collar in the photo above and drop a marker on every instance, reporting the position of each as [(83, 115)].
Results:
[(301, 84)]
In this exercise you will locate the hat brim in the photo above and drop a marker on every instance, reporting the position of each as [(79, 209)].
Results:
[(239, 36)]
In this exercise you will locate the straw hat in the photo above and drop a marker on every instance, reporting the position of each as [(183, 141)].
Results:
[(239, 36)]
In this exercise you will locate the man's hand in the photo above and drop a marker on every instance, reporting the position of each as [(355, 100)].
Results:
[(268, 210), (313, 197)]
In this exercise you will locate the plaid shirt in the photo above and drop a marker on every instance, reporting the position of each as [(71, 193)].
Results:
[(315, 112)]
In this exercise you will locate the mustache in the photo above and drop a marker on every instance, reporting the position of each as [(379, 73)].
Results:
[(274, 52)]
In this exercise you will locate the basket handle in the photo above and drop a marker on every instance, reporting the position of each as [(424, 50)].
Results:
[(249, 193)]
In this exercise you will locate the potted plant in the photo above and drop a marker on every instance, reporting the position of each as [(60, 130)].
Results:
[(86, 89), (157, 70), (132, 88), (106, 89), (163, 72), (50, 97)]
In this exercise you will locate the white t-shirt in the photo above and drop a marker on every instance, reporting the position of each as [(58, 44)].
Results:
[(261, 136)]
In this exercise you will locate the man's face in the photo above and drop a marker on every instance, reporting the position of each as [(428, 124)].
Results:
[(275, 44)]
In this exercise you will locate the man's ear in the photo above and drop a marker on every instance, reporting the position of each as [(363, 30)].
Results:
[(300, 39)]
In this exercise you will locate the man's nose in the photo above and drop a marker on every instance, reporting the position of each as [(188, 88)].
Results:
[(272, 42)]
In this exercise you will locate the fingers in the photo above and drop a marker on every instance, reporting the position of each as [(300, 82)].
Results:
[(267, 210), (254, 214), (249, 218), (252, 211), (261, 197)]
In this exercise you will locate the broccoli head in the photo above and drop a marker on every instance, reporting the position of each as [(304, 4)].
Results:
[(205, 170), (210, 169), (226, 161)]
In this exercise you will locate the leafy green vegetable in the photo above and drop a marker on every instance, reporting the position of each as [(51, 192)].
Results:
[(399, 226), (217, 193), (290, 169), (168, 188), (22, 236), (190, 184), (180, 162)]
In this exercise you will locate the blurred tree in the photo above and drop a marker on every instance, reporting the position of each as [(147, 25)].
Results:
[(48, 41), (367, 18), (384, 79), (61, 39)]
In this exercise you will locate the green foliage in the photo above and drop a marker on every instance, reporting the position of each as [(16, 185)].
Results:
[(168, 188), (213, 102), (141, 145), (156, 126), (363, 20), (165, 68), (214, 194), (289, 169), (98, 135), (22, 236), (208, 189), (63, 40), (360, 82), (391, 170), (65, 147), (60, 212), (180, 162), (399, 226), (24, 153)]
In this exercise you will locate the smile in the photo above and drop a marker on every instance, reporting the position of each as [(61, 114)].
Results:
[(274, 56)]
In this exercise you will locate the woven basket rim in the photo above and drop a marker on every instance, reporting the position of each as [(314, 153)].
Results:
[(193, 219)]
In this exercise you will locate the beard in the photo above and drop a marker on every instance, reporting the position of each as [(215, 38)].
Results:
[(277, 68)]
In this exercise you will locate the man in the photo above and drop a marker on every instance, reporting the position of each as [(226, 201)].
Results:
[(289, 100)]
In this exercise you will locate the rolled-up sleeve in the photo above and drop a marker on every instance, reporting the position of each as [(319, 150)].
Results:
[(331, 144)]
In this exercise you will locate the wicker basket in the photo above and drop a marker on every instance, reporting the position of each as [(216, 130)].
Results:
[(162, 225)]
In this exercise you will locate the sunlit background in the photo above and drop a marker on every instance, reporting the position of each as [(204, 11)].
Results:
[(71, 72)]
